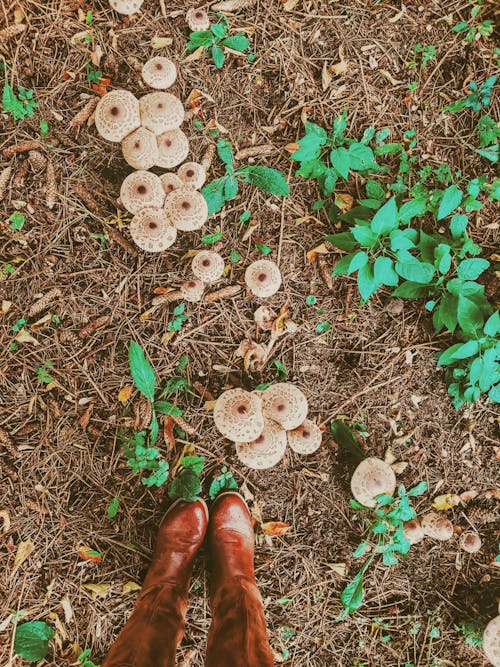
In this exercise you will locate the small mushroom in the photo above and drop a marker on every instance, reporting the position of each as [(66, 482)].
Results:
[(186, 209), (171, 182), (413, 531), (208, 266), (286, 404), (151, 230), (161, 112), (173, 148), (117, 115), (197, 20), (192, 174), (238, 415), (254, 355), (438, 527), (264, 318), (140, 149), (126, 7), (470, 542), (371, 478), (491, 641), (192, 290), (263, 278), (142, 189), (305, 439), (266, 450), (159, 72)]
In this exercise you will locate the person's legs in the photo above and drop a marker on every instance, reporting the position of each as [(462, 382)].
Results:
[(238, 635), (155, 629)]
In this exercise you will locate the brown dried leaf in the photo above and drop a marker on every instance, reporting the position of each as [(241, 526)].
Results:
[(195, 55), (130, 587), (326, 77), (5, 519), (254, 355), (318, 250), (290, 5), (275, 528), (25, 337), (168, 433), (24, 550), (97, 590), (339, 68), (125, 393)]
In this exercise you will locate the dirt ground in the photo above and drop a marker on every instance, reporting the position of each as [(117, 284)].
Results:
[(375, 366)]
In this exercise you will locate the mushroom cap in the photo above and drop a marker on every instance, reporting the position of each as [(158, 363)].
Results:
[(140, 149), (208, 266), (172, 147), (171, 182), (142, 189), (159, 72), (192, 290), (126, 7), (238, 415), (151, 231), (491, 641), (371, 478), (192, 174), (197, 19), (266, 450), (470, 542), (305, 439), (186, 209), (117, 115), (161, 112), (413, 531), (438, 527), (263, 278), (286, 404), (264, 318)]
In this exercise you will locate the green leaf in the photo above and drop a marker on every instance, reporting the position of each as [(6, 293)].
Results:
[(469, 315), (466, 350), (492, 326), (200, 38), (361, 157), (32, 640), (225, 152), (458, 225), (359, 260), (494, 393), (384, 272), (214, 194), (231, 188), (346, 439), (367, 284), (224, 482), (386, 218), (186, 485), (17, 220), (418, 489), (361, 550), (218, 56), (415, 271), (237, 42), (446, 357), (412, 209), (266, 179), (141, 370), (470, 269), (113, 508), (342, 241), (353, 594), (310, 144), (194, 463), (375, 191), (219, 29), (410, 290), (210, 239), (448, 311), (339, 157), (451, 199), (167, 408), (364, 236)]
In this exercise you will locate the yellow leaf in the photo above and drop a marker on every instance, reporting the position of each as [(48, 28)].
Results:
[(6, 306), (446, 501), (196, 55), (18, 14), (319, 250), (147, 313), (338, 568), (290, 5), (130, 587), (25, 337), (275, 528), (344, 201), (81, 15), (291, 148), (340, 68), (161, 42), (125, 393), (209, 405), (24, 550), (97, 590)]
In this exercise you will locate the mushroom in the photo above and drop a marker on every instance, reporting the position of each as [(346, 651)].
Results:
[(413, 531), (171, 182), (263, 278), (173, 148), (140, 149), (254, 355), (438, 527), (305, 439), (491, 641), (470, 542), (192, 290), (238, 415), (159, 73), (286, 404), (266, 450), (142, 189), (197, 20), (117, 115), (208, 266), (186, 209), (264, 318), (161, 112), (151, 230), (371, 478), (126, 7), (192, 174)]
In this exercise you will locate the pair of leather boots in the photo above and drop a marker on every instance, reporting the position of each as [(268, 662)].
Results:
[(237, 636)]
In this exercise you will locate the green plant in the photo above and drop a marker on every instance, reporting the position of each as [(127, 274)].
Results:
[(84, 661), (472, 633), (113, 508), (384, 537), (17, 221), (32, 640), (477, 99), (473, 27), (186, 484), (423, 56), (489, 136), (224, 482), (42, 374), (20, 105), (225, 188), (179, 319), (94, 76), (216, 39)]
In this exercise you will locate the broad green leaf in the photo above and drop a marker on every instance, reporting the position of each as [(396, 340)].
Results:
[(237, 42), (466, 350), (375, 191), (358, 261), (218, 56), (361, 157), (353, 593), (330, 179), (458, 225), (200, 38), (448, 311), (32, 640), (342, 241), (214, 194), (225, 152), (346, 439), (470, 269), (451, 199), (186, 485), (266, 179), (339, 157), (384, 272), (219, 30), (367, 284), (412, 209), (401, 240), (410, 290), (415, 271), (418, 489), (492, 326), (446, 358), (364, 236), (494, 393), (389, 149), (113, 508), (386, 218), (224, 482), (141, 370), (469, 315), (342, 267), (310, 146), (231, 188), (167, 408), (194, 463), (361, 550)]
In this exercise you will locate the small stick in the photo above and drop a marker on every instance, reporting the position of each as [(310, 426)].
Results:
[(224, 293), (169, 297), (324, 272), (255, 151), (121, 240)]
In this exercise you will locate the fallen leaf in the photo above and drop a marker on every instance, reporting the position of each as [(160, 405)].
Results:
[(291, 148), (275, 528), (6, 306), (24, 550), (209, 405), (130, 587), (399, 467), (318, 250), (492, 493), (147, 314), (282, 324), (467, 496), (196, 55), (87, 553), (25, 337), (161, 42), (125, 393), (254, 355), (168, 433), (5, 519), (389, 77), (339, 568), (18, 14), (290, 5), (97, 590), (326, 77), (41, 323), (344, 201), (389, 457), (67, 609), (96, 55), (339, 68), (84, 35), (246, 493), (85, 418), (446, 501)]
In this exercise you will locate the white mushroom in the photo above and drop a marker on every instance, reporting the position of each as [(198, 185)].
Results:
[(263, 278), (159, 72), (186, 209), (437, 526), (305, 439), (126, 7), (140, 149), (173, 148), (470, 542), (151, 230), (208, 266), (413, 531), (161, 112), (170, 182), (266, 450), (491, 641), (142, 189), (264, 318), (197, 20), (192, 174), (286, 404), (117, 114), (372, 478), (238, 415), (192, 290)]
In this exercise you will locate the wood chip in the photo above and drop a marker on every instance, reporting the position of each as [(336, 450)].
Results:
[(224, 293)]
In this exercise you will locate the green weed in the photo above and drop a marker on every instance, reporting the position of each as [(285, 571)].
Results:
[(216, 39)]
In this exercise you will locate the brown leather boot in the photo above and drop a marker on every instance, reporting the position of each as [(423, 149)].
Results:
[(238, 635), (152, 634)]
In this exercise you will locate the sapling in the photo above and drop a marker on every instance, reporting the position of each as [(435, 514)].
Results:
[(216, 39)]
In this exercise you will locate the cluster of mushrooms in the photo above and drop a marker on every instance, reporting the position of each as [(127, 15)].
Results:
[(262, 423)]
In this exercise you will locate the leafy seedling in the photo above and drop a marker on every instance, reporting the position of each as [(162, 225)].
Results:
[(17, 221), (224, 482), (474, 27), (346, 439), (84, 659), (423, 56), (113, 508), (473, 635), (216, 39), (186, 484), (42, 373), (32, 640), (20, 105), (478, 99), (179, 318)]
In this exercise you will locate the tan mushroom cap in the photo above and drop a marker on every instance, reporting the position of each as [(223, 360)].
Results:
[(142, 189), (208, 266), (371, 478), (192, 290), (192, 174), (265, 451), (151, 231), (159, 72), (161, 112), (286, 404), (117, 115), (197, 19), (491, 641), (238, 415), (437, 526), (140, 149), (186, 209), (305, 439), (263, 278), (413, 531), (171, 182), (264, 318), (172, 147), (470, 542), (126, 7)]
